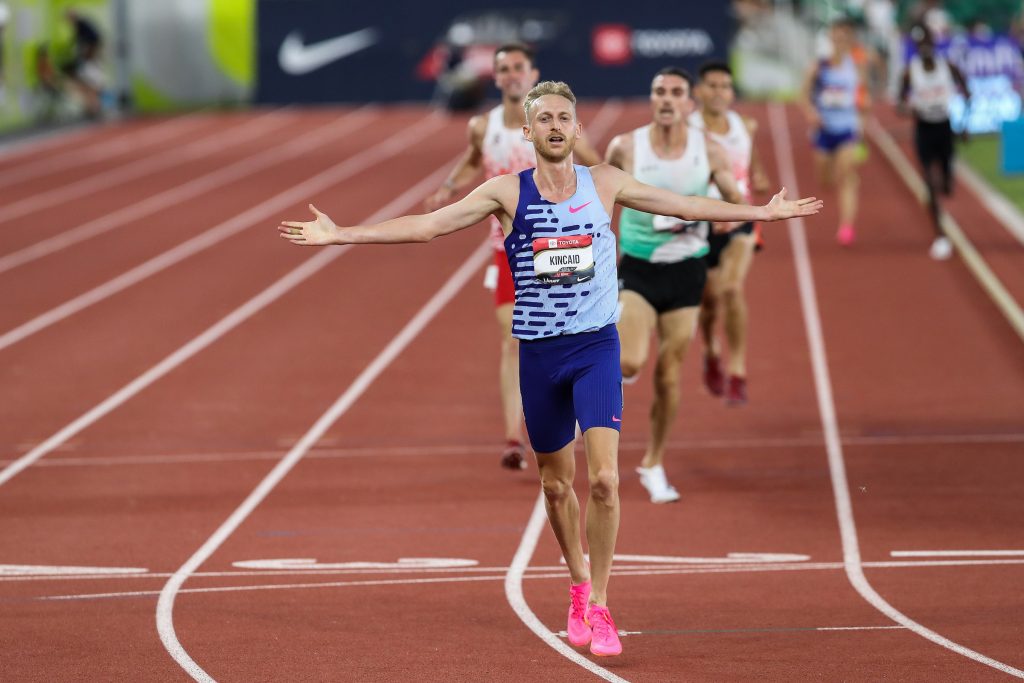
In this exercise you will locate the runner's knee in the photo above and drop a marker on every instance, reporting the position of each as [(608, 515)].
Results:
[(604, 485), (556, 487)]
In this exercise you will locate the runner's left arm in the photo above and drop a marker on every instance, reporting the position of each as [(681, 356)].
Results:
[(470, 210), (630, 192)]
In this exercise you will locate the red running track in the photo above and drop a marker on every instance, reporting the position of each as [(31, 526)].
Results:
[(927, 379)]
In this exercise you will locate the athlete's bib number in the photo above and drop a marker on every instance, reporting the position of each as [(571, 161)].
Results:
[(563, 260), (836, 98), (675, 225)]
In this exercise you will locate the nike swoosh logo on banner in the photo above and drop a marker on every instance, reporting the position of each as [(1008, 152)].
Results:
[(296, 58), (574, 209)]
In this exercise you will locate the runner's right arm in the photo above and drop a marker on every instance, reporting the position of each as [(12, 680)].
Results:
[(489, 198), (466, 170)]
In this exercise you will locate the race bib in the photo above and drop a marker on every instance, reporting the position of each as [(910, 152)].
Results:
[(674, 225), (836, 98), (563, 260)]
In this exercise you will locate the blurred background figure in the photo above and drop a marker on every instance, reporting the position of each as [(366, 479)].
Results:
[(71, 80), (929, 84)]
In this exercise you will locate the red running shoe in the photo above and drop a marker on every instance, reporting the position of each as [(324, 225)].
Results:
[(714, 380), (514, 456), (737, 393)]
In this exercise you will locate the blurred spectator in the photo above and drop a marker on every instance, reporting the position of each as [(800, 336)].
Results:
[(64, 69)]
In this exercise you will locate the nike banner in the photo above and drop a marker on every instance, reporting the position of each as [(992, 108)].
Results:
[(328, 51)]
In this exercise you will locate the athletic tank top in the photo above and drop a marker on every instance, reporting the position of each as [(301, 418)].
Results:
[(667, 239), (505, 150), (835, 95), (931, 91), (562, 258), (737, 144)]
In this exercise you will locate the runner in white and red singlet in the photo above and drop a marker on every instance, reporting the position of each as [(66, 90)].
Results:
[(731, 253)]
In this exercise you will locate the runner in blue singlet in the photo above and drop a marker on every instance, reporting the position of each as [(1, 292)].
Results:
[(561, 250), (833, 107)]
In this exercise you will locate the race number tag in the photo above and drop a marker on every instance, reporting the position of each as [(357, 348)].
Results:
[(563, 260), (833, 97), (673, 224)]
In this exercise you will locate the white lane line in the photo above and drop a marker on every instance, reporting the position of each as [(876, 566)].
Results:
[(538, 519), (133, 141), (957, 553), (461, 449), (265, 158), (625, 570), (217, 234), (826, 407), (233, 319), (517, 600), (412, 329), (546, 572), (977, 265), (997, 204), (140, 168), (40, 142)]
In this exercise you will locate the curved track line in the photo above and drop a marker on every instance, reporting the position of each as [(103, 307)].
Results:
[(516, 599), (165, 605), (514, 579), (826, 407), (217, 234)]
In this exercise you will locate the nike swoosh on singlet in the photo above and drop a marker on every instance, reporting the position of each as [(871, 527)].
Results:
[(574, 209), (296, 58)]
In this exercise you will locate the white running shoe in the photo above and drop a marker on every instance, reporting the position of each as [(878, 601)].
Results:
[(941, 249), (654, 480)]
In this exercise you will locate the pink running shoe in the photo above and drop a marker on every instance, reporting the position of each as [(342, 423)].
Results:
[(714, 380), (605, 637), (846, 235), (579, 631)]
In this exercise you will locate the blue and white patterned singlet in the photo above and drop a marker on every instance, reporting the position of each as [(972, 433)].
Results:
[(562, 258)]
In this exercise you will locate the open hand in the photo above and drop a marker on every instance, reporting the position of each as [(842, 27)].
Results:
[(780, 208), (319, 231)]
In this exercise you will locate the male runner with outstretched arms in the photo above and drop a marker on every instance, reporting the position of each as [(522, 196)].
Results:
[(497, 146), (662, 270), (560, 247), (731, 252)]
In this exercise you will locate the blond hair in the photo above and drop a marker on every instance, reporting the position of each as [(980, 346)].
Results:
[(548, 88)]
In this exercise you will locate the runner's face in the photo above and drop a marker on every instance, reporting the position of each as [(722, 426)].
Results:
[(842, 39), (552, 127), (715, 92), (670, 100), (514, 75)]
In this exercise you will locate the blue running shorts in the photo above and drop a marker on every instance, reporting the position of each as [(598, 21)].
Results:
[(568, 379)]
